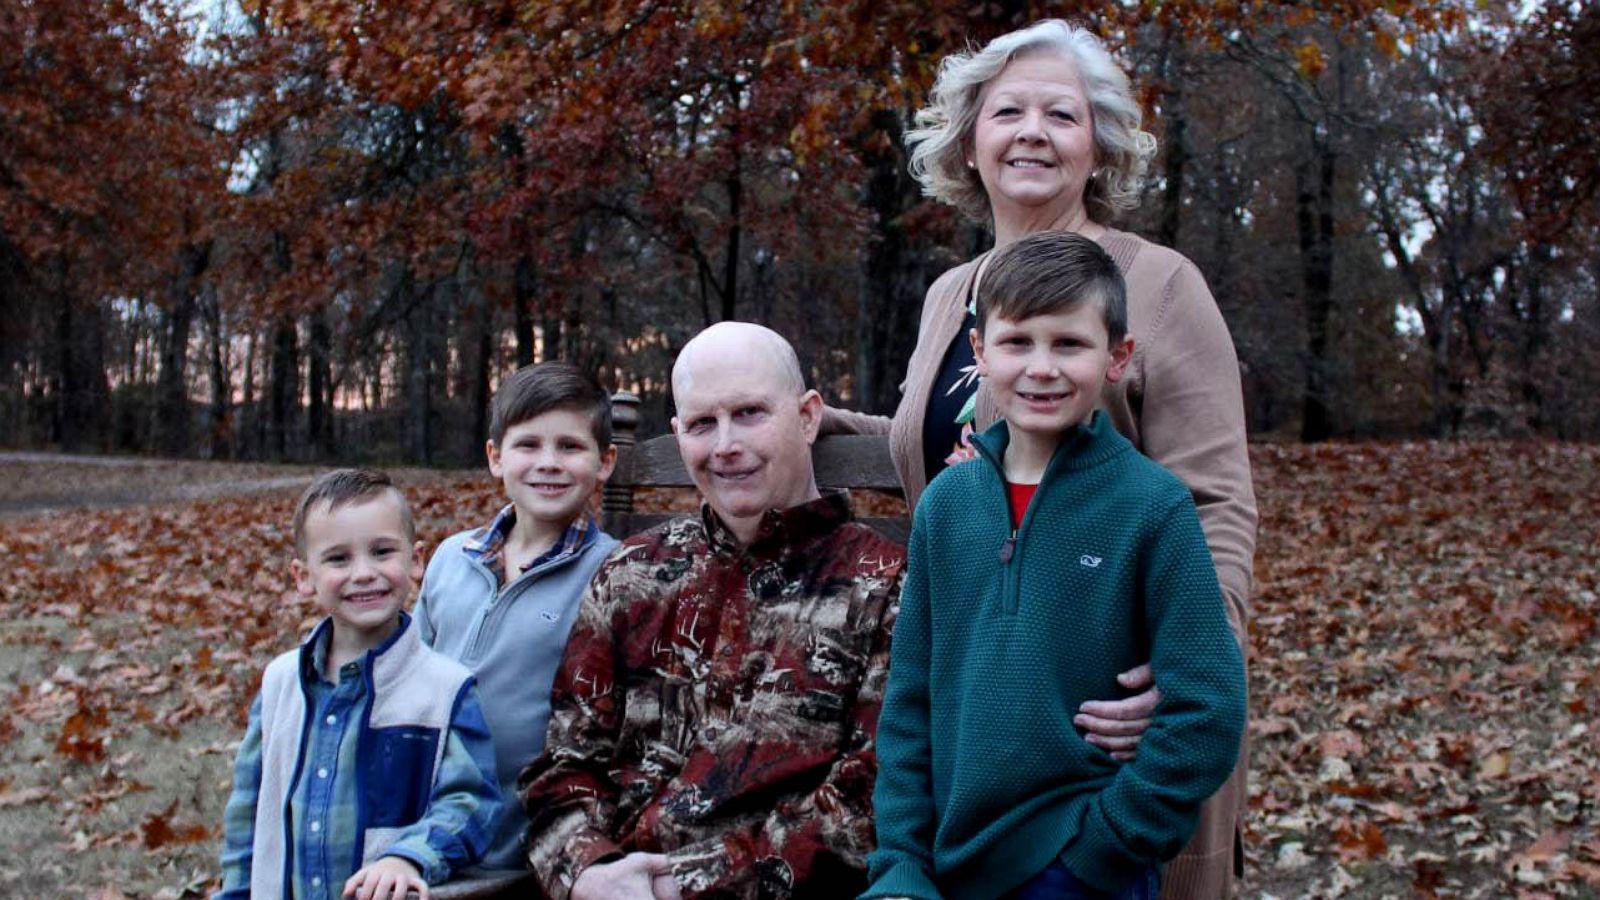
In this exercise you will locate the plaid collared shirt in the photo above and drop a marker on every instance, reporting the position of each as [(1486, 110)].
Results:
[(487, 545), (323, 806)]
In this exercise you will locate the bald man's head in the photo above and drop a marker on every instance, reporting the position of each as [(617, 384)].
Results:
[(743, 347), (745, 422)]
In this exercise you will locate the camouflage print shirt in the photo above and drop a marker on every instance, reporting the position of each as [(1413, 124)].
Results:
[(718, 704)]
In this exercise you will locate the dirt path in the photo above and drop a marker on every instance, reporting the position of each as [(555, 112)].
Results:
[(32, 483)]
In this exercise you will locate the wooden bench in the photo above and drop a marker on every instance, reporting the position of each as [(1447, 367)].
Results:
[(851, 462)]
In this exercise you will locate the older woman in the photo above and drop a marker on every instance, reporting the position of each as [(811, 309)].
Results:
[(1037, 131)]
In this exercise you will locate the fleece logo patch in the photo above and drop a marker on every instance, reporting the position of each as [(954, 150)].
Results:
[(1089, 562)]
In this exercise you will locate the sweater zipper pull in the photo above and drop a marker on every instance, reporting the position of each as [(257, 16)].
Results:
[(1008, 547)]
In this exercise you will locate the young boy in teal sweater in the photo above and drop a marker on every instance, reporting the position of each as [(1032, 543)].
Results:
[(1058, 558)]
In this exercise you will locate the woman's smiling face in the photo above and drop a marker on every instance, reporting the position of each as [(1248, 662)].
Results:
[(1033, 142)]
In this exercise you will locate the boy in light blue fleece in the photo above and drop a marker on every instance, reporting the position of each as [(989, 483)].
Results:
[(367, 768), (502, 598), (1058, 558)]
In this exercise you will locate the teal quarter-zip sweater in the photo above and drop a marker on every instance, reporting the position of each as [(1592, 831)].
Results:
[(983, 779)]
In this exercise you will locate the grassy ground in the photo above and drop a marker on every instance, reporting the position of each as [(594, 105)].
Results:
[(1424, 659)]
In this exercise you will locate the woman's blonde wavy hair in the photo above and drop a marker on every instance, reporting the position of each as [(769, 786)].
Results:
[(944, 128)]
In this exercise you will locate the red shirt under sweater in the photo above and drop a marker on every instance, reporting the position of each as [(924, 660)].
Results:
[(1021, 496)]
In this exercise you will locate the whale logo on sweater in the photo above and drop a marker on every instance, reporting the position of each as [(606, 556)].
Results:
[(1089, 562)]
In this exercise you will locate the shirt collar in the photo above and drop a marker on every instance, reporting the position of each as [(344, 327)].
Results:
[(572, 540), (782, 531), (489, 538), (492, 538), (314, 650), (321, 644)]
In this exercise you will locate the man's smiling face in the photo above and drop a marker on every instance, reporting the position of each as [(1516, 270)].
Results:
[(744, 427)]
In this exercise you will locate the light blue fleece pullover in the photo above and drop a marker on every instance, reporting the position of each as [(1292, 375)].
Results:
[(512, 640)]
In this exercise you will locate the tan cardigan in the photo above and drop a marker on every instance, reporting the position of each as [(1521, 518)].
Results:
[(1180, 403)]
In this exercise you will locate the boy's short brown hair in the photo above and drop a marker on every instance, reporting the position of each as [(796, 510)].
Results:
[(1051, 272), (341, 486), (535, 390)]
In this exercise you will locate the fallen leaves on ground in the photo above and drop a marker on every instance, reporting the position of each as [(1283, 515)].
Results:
[(1424, 671)]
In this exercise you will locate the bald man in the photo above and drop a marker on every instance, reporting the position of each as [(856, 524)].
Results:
[(713, 719)]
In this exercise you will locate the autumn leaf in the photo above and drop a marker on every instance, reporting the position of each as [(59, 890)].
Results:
[(1547, 846), (1589, 873), (158, 830), (1309, 60), (1342, 743), (1360, 842), (1386, 44), (9, 798), (1495, 765), (80, 737)]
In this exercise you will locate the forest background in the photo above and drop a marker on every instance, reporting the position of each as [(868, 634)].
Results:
[(310, 230), (300, 231)]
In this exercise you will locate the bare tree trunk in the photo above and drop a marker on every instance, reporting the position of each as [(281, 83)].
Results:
[(250, 421), (1314, 183), (416, 390), (1176, 119), (1534, 336), (284, 403), (130, 349), (221, 416), (170, 412), (572, 329), (171, 409), (482, 357), (730, 262), (83, 396), (558, 325), (81, 408), (138, 361), (550, 336), (283, 388), (319, 431), (1436, 322), (890, 302), (525, 284)]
